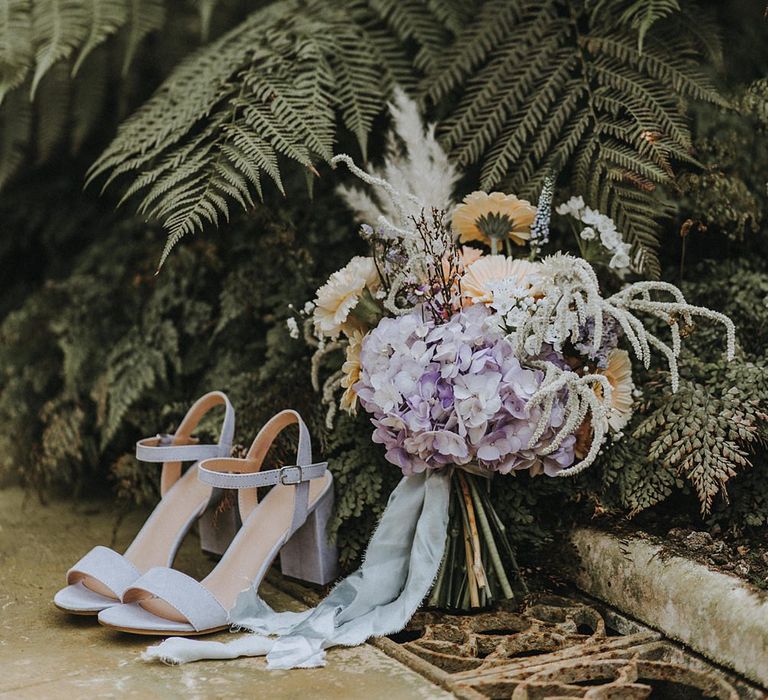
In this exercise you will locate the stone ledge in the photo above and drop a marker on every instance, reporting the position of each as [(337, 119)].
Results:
[(717, 615)]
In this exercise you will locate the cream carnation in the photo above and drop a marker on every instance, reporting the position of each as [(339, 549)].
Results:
[(340, 294)]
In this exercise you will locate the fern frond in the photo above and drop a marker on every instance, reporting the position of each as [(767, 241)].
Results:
[(452, 14), (665, 67), (184, 99), (357, 93), (37, 37), (15, 132), (15, 43), (527, 123), (144, 18), (139, 361), (105, 17), (251, 154), (574, 93), (497, 21), (52, 113), (205, 9), (63, 444), (89, 98), (639, 15), (703, 437), (58, 29), (411, 20), (267, 91)]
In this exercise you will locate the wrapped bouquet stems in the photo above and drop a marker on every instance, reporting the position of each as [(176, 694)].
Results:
[(479, 568)]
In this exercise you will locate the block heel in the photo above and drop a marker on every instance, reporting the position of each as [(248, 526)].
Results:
[(308, 556), (218, 526)]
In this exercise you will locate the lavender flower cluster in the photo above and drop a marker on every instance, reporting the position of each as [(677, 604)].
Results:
[(585, 344), (454, 393)]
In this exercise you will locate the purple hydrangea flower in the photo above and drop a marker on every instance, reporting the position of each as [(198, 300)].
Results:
[(585, 343), (454, 393)]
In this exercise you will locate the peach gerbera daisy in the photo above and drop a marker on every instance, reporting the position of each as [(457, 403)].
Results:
[(481, 276), (619, 375), (493, 217)]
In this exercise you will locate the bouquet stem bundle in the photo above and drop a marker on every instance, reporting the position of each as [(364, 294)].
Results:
[(479, 567)]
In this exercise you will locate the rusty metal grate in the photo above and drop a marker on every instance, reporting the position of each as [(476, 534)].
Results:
[(556, 647)]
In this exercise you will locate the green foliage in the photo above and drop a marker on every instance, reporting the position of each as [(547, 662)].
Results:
[(110, 352), (267, 90), (730, 196), (96, 350), (524, 87), (69, 68), (707, 430), (716, 425), (541, 87), (632, 481), (639, 15), (35, 36), (15, 44)]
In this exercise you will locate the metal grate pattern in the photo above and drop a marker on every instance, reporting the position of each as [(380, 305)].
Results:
[(556, 648)]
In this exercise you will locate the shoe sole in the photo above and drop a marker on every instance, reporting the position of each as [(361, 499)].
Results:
[(82, 613), (164, 633)]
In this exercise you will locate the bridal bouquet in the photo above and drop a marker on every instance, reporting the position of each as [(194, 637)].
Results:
[(471, 351)]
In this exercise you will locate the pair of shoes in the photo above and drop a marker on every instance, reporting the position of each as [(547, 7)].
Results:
[(138, 592)]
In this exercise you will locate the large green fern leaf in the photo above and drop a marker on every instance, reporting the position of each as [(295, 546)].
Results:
[(15, 43), (268, 91), (553, 85)]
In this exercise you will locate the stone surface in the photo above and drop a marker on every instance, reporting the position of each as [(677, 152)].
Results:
[(47, 654), (719, 616)]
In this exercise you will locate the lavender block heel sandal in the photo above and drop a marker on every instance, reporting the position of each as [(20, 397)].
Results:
[(292, 517), (98, 580)]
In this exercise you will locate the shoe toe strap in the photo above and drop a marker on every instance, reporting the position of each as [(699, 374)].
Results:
[(107, 567), (183, 593)]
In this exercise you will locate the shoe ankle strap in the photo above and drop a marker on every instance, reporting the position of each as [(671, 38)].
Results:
[(245, 475), (173, 449), (231, 473), (168, 447)]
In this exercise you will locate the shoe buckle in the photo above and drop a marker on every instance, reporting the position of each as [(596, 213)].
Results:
[(290, 475), (164, 439)]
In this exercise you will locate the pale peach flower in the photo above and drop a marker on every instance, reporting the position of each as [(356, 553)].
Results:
[(351, 372), (619, 375), (480, 277), (340, 294), (467, 255)]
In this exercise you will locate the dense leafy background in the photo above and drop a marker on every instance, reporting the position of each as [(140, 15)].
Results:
[(95, 349)]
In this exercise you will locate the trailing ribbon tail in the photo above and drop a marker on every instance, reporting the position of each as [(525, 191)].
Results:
[(400, 566)]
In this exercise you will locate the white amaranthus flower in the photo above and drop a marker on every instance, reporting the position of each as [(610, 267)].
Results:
[(293, 327), (571, 298)]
